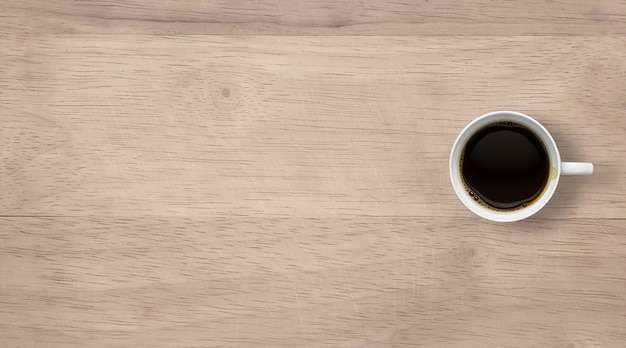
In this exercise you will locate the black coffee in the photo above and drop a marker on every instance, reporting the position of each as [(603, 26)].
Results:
[(505, 165)]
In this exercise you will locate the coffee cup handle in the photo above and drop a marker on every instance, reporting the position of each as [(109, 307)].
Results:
[(576, 168)]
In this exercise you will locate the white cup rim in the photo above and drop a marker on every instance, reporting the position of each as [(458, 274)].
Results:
[(504, 215)]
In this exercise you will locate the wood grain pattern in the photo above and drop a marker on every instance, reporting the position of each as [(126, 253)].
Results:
[(318, 17), (291, 189), (207, 126), (305, 281)]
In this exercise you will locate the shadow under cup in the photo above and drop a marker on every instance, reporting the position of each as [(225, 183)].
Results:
[(504, 166)]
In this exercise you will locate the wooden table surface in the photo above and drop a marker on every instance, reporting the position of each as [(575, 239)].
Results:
[(274, 173)]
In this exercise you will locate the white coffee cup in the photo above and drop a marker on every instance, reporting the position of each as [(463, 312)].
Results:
[(557, 168)]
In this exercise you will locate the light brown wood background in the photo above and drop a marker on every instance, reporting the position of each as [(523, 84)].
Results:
[(274, 173)]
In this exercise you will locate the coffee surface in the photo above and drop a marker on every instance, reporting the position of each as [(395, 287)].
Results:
[(505, 166)]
